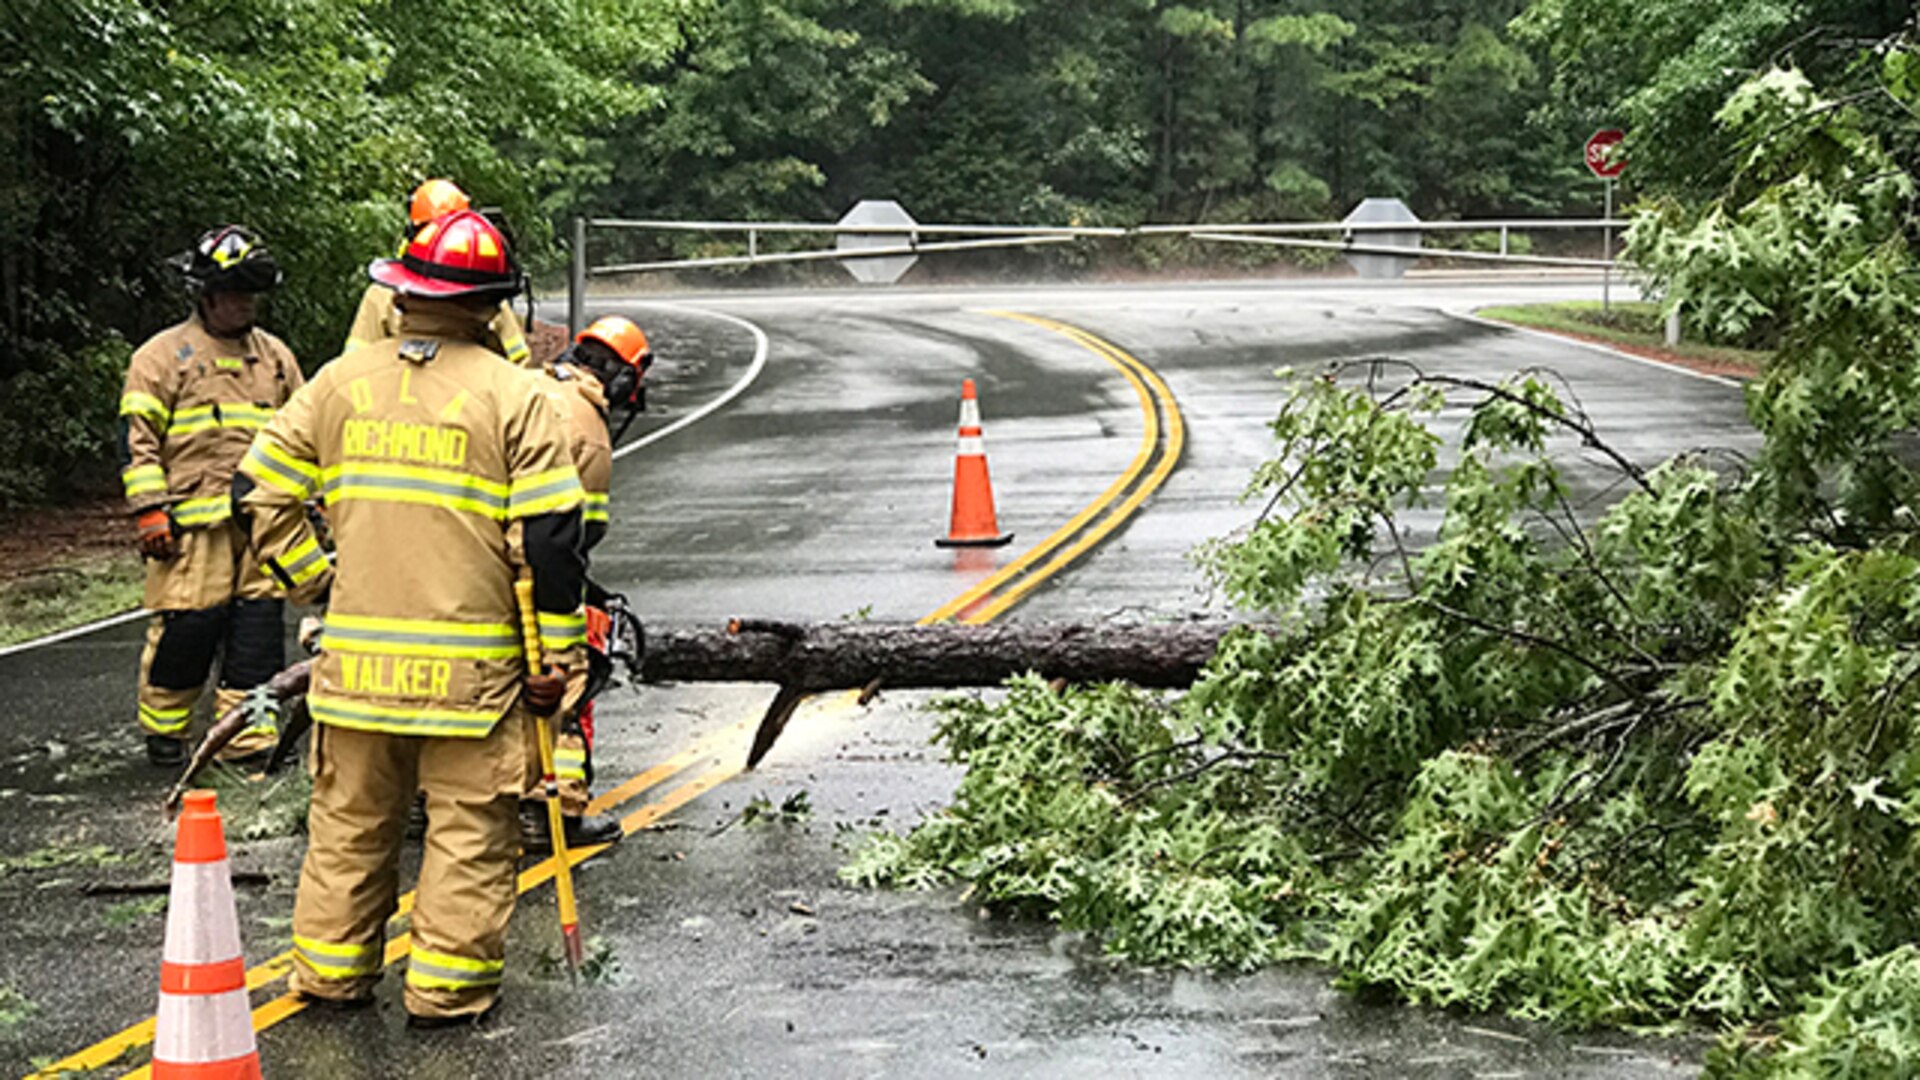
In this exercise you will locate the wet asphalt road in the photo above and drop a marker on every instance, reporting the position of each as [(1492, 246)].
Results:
[(815, 494)]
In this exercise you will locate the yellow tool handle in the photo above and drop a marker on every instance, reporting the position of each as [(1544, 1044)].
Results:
[(529, 625), (556, 824)]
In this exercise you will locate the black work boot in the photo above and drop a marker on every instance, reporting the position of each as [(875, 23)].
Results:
[(581, 831), (166, 752)]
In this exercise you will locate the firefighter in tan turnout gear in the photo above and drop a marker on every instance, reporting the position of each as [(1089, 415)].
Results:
[(603, 370), (377, 319), (195, 396), (435, 461)]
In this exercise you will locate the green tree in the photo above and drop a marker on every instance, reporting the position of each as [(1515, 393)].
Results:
[(1655, 768), (130, 127)]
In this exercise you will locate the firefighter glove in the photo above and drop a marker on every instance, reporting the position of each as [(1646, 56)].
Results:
[(545, 691), (311, 627), (156, 534)]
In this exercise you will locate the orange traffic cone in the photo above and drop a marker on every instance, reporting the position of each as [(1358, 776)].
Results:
[(204, 1027), (973, 522)]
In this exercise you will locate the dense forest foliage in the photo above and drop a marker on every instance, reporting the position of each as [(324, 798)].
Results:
[(127, 126)]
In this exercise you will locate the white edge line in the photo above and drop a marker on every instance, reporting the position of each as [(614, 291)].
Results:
[(760, 350), (738, 388), (1618, 354), (65, 635)]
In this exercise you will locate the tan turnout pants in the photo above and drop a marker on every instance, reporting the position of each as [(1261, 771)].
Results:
[(363, 783), (212, 569)]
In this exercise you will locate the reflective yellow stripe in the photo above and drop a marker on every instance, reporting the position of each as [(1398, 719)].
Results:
[(444, 971), (146, 406), (229, 363), (596, 508), (361, 716), (420, 637), (558, 632), (332, 960), (144, 480), (224, 415), (516, 348), (418, 484), (354, 343), (164, 721), (269, 464), (267, 727), (547, 492), (196, 513), (569, 764), (304, 563)]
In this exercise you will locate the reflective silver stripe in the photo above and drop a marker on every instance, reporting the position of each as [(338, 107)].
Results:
[(307, 566), (332, 960), (440, 970), (164, 721), (266, 459), (143, 405), (502, 643), (560, 493), (559, 632), (221, 415), (208, 510), (423, 721), (454, 496)]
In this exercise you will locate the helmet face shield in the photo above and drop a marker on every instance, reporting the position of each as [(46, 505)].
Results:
[(229, 259), (626, 390)]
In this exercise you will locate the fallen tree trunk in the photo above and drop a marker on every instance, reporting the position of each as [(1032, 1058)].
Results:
[(837, 656), (806, 659)]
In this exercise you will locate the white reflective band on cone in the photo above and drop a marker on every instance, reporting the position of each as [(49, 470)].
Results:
[(192, 1029), (972, 446), (969, 412), (201, 923)]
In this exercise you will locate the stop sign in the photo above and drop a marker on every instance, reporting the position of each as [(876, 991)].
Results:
[(878, 269), (1603, 153)]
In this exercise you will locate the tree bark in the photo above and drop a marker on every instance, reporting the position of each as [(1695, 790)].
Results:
[(833, 656), (810, 658), (805, 659)]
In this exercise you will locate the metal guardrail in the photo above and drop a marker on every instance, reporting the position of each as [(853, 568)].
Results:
[(1297, 234)]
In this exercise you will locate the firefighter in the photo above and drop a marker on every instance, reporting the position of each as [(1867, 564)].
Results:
[(436, 462), (376, 319), (604, 369), (195, 396)]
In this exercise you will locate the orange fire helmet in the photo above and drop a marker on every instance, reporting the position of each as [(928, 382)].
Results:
[(619, 333), (460, 256), (436, 198)]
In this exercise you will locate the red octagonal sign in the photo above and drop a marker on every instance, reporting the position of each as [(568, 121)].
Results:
[(1603, 153)]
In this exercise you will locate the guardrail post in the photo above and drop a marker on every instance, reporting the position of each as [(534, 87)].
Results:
[(753, 243), (1503, 238), (1673, 326), (577, 281)]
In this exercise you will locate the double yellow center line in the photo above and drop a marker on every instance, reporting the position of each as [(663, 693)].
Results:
[(1009, 585), (724, 751)]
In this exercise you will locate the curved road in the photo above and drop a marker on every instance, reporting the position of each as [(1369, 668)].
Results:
[(815, 494)]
